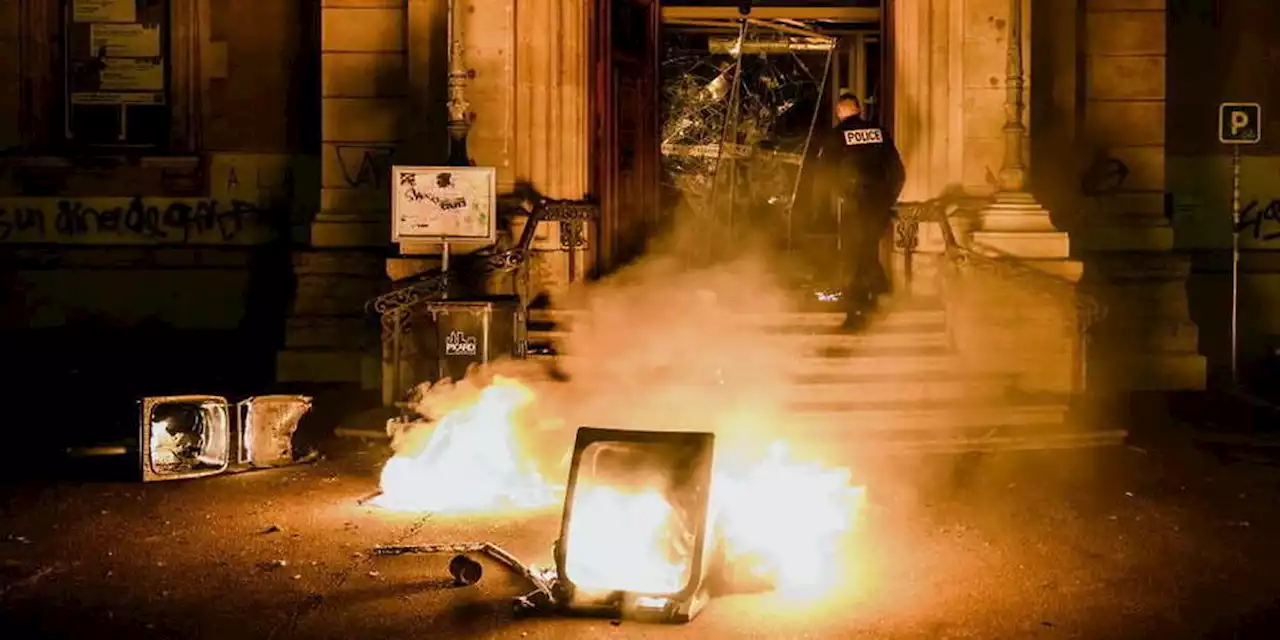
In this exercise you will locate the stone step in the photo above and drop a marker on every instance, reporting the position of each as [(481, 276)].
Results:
[(558, 319), (892, 361), (928, 443), (869, 417), (1032, 441), (885, 388), (310, 332), (328, 365), (827, 394), (932, 428), (826, 342)]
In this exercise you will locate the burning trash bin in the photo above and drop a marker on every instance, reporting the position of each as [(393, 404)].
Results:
[(635, 533), (634, 538)]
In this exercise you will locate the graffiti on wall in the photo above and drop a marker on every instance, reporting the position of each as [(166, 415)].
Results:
[(267, 180), (1259, 220), (1200, 190), (133, 221), (364, 166), (1104, 175)]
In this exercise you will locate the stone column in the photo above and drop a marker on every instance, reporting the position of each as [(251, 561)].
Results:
[(1148, 340), (960, 121), (364, 121), (927, 62), (552, 54), (529, 96), (1015, 224)]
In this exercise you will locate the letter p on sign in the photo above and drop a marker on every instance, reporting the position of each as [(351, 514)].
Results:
[(1240, 123)]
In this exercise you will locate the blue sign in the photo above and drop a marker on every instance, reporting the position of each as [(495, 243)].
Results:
[(1240, 123)]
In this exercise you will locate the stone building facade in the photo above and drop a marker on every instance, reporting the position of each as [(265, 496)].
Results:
[(284, 116), (153, 155)]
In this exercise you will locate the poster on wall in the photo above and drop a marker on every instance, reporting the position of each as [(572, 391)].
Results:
[(443, 204), (104, 10), (125, 40), (131, 74)]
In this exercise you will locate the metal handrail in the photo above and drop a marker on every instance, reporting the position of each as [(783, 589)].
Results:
[(395, 308), (1089, 310)]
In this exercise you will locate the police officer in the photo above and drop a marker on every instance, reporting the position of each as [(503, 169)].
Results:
[(858, 160)]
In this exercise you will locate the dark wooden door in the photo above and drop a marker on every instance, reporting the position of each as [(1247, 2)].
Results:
[(625, 122)]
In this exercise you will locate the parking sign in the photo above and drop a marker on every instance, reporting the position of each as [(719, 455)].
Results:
[(1240, 123)]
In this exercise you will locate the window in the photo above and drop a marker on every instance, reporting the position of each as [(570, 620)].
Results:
[(116, 74), (109, 76)]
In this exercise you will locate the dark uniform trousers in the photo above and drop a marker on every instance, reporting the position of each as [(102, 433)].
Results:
[(863, 225)]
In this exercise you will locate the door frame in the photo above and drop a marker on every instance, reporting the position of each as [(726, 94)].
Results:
[(605, 253)]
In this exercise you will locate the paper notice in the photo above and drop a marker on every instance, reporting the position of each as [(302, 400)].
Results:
[(131, 74), (104, 10), (125, 40)]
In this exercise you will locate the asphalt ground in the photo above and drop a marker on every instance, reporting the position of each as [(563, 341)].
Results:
[(1166, 538)]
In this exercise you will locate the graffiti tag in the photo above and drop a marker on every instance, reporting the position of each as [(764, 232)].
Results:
[(1254, 216), (364, 166), (1105, 175), (178, 222)]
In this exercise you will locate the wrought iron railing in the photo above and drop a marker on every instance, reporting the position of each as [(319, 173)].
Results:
[(1046, 286), (396, 308)]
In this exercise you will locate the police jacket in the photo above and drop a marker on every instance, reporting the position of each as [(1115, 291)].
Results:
[(859, 159)]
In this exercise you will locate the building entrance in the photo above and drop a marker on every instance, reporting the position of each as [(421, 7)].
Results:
[(735, 102)]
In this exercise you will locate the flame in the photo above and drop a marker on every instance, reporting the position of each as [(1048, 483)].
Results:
[(782, 520), (470, 462), (626, 541), (164, 446)]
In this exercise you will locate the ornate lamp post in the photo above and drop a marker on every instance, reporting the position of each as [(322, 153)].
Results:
[(1014, 208), (1013, 171), (460, 115)]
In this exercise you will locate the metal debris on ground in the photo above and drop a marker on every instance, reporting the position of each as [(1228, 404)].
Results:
[(275, 528), (369, 498), (543, 579)]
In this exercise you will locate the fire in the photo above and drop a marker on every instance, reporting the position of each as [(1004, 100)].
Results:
[(470, 462), (784, 520), (165, 447), (781, 520), (627, 541)]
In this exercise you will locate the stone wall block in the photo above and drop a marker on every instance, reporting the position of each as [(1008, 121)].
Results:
[(1126, 77), (1126, 33), (1126, 123)]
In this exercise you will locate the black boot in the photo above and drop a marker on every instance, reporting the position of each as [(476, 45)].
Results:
[(855, 322), (858, 318)]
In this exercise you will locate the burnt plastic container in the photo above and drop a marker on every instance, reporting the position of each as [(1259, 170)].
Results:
[(468, 332)]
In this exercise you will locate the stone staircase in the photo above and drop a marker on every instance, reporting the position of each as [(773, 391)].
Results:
[(898, 386)]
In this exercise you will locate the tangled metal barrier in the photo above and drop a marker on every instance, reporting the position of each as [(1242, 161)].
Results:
[(395, 308), (1056, 290)]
